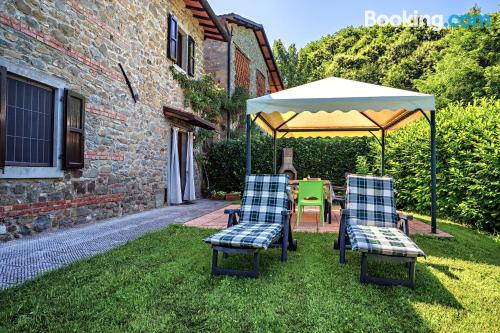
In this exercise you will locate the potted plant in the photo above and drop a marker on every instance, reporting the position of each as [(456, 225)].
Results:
[(217, 195), (233, 196)]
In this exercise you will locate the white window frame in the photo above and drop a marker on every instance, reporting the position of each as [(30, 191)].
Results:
[(55, 171)]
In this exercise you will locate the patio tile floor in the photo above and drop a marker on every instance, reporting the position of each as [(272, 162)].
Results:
[(309, 223)]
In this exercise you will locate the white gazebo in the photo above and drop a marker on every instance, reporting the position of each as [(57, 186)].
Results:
[(340, 107)]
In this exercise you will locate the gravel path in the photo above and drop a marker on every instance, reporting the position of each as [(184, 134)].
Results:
[(23, 259)]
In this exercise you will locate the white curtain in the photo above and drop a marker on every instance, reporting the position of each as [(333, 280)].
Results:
[(174, 180), (189, 190)]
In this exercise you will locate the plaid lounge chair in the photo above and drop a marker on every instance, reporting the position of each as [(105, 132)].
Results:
[(369, 224), (264, 221)]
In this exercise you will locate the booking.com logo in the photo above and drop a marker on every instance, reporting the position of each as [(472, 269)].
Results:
[(416, 19)]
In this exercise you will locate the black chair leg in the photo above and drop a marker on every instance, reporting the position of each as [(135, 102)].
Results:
[(365, 278), (216, 270), (342, 241), (215, 255)]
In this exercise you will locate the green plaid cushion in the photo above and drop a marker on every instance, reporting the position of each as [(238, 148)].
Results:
[(382, 240), (370, 201), (264, 198), (248, 235)]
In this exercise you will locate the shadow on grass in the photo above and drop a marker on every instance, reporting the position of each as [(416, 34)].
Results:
[(161, 282), (467, 244), (445, 269)]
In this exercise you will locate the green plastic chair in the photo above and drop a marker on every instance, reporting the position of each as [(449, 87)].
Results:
[(311, 194)]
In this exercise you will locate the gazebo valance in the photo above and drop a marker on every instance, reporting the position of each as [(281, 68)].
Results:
[(340, 107)]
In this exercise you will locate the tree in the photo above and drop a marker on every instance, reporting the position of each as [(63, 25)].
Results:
[(287, 61)]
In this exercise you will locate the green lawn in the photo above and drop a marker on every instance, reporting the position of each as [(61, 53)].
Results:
[(161, 282)]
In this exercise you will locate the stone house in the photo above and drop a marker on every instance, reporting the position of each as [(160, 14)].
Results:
[(92, 123), (245, 61)]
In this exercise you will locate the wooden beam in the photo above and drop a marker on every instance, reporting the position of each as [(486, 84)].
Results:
[(202, 17), (208, 36), (207, 25), (198, 9)]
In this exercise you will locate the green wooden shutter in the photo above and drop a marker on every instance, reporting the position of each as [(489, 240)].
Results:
[(191, 55), (74, 130), (3, 115), (173, 29)]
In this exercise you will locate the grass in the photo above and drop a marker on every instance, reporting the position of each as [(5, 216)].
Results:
[(161, 283)]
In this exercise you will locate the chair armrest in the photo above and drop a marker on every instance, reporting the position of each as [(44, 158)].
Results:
[(405, 226), (232, 219), (340, 201), (285, 212), (404, 216), (232, 211)]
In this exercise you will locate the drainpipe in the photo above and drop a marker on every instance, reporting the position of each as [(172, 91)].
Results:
[(229, 43)]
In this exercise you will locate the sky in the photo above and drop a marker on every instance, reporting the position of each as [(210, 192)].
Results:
[(299, 21)]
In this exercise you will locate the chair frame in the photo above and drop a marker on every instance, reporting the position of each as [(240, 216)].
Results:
[(285, 241), (343, 243), (323, 214)]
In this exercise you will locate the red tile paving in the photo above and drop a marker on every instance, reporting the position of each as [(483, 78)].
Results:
[(310, 222)]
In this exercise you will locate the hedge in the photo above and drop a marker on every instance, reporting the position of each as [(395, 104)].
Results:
[(328, 158), (468, 164)]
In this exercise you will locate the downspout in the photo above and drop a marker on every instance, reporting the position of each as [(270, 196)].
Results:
[(229, 43)]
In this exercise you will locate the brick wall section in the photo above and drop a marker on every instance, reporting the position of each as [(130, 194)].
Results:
[(34, 209), (104, 112), (126, 143), (54, 43), (242, 66), (97, 21), (103, 155), (261, 83)]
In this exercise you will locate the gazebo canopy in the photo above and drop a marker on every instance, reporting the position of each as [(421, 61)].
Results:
[(337, 107)]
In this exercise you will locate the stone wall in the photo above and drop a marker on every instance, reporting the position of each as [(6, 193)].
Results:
[(81, 44), (247, 43), (216, 58)]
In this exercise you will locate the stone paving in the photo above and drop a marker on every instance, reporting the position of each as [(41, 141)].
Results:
[(23, 259), (310, 222)]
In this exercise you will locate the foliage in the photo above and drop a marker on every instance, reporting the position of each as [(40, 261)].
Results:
[(469, 65), (237, 104), (362, 165), (468, 164), (287, 61), (202, 95), (202, 135), (161, 282), (454, 63), (328, 158), (218, 194)]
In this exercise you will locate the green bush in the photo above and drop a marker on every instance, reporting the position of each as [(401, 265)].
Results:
[(468, 164), (327, 158), (362, 165)]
